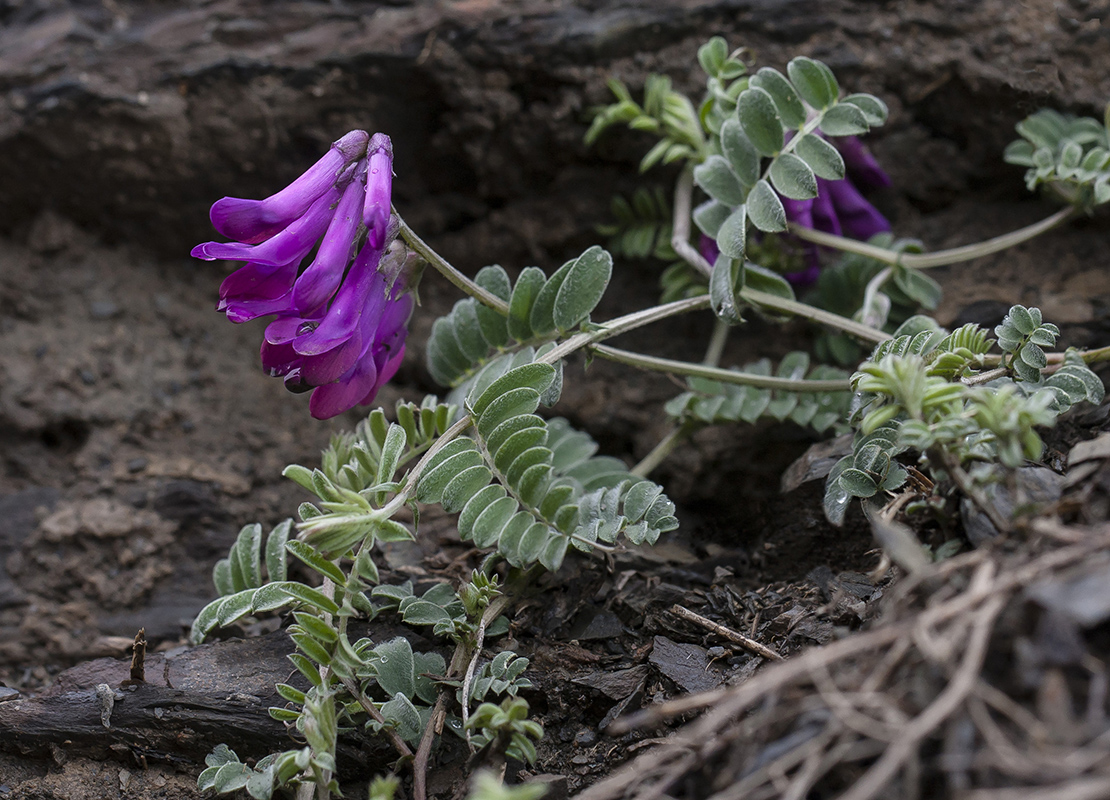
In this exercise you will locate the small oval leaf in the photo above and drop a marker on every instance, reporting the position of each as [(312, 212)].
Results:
[(760, 120)]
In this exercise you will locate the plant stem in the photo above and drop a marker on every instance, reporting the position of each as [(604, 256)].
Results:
[(656, 364), (390, 733), (442, 266), (679, 433), (985, 377), (941, 257), (810, 126), (968, 487), (637, 319), (716, 343), (680, 230), (1094, 356), (459, 660), (858, 329), (869, 294), (623, 325), (660, 452), (393, 506), (471, 666)]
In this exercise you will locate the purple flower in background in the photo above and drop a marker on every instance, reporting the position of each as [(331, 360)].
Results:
[(340, 323), (839, 208)]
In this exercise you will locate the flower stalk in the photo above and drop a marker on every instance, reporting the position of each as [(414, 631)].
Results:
[(940, 258)]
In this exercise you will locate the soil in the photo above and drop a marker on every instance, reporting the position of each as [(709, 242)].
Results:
[(137, 434)]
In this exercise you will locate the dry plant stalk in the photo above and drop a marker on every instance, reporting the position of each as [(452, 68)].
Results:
[(936, 695)]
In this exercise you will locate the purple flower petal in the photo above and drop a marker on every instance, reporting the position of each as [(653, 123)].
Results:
[(334, 364), (355, 298), (384, 335), (862, 166), (379, 189), (707, 246), (823, 209), (806, 277), (288, 246), (279, 359), (335, 398), (256, 290), (287, 328), (245, 310), (254, 221), (798, 211), (258, 281), (858, 218), (318, 283), (385, 374)]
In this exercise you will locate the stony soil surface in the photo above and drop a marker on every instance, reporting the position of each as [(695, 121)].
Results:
[(137, 434)]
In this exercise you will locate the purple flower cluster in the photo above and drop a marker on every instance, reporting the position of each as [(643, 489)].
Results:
[(839, 208), (340, 324)]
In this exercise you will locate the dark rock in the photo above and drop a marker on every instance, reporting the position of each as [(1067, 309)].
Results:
[(1036, 486), (596, 624), (18, 514), (618, 684), (104, 309), (685, 664), (587, 737), (186, 501)]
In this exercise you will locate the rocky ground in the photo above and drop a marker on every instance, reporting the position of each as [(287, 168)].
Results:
[(137, 434)]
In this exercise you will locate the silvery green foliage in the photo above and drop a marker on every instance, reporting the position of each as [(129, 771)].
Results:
[(244, 592), (501, 676), (317, 725), (772, 135), (666, 113), (643, 226), (842, 288), (1022, 335), (870, 468), (507, 728), (1069, 154), (390, 668), (448, 613), (725, 80), (711, 402), (533, 488), (913, 395), (357, 475), (541, 309)]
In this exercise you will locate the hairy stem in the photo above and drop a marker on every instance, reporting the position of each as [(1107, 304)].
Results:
[(716, 343), (660, 452), (680, 235), (459, 661), (371, 710), (985, 377), (393, 506), (968, 487), (656, 364), (941, 257), (468, 678), (445, 268), (622, 325), (849, 326), (868, 307)]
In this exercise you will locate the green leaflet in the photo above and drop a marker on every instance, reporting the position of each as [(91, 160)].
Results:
[(824, 159), (712, 403), (542, 471), (760, 120), (813, 81), (540, 309), (1068, 150), (785, 96)]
